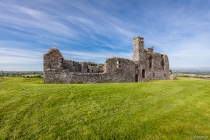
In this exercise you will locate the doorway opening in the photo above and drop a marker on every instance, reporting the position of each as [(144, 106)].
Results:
[(136, 78)]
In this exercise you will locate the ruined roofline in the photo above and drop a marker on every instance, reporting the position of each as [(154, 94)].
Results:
[(51, 50), (54, 49), (137, 37), (118, 58), (149, 50), (153, 53)]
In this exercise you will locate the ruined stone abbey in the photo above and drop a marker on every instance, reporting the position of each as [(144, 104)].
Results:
[(146, 65)]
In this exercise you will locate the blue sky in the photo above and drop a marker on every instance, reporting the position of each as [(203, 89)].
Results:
[(93, 30)]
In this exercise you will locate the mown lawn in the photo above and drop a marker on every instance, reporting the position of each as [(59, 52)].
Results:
[(164, 109)]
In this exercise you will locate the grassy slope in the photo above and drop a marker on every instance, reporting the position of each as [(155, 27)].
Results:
[(151, 110)]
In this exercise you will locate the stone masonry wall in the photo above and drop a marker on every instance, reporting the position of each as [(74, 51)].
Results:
[(146, 65)]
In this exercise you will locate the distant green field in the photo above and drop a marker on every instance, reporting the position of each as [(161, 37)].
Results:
[(171, 110)]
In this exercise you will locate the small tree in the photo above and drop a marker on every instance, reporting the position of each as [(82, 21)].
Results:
[(91, 63), (100, 64)]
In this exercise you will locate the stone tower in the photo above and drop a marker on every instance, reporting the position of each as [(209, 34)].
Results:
[(138, 44)]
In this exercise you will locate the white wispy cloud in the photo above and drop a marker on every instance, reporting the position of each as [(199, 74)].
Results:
[(19, 56), (30, 20), (98, 57)]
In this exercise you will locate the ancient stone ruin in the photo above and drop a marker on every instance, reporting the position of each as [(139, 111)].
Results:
[(146, 65)]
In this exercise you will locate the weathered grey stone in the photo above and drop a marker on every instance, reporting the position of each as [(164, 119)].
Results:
[(146, 65)]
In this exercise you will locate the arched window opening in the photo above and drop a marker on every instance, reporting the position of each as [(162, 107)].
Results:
[(150, 62)]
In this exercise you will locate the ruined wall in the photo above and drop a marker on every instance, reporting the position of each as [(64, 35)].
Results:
[(116, 70), (95, 69), (52, 64), (146, 65), (149, 65), (84, 67), (121, 69), (72, 66), (155, 65), (73, 77), (60, 70)]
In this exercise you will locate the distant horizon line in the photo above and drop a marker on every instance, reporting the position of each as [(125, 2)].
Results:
[(173, 69), (193, 68)]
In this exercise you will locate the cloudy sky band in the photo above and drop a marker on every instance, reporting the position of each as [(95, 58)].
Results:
[(94, 30)]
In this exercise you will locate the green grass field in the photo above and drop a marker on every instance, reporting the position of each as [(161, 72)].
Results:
[(171, 110)]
